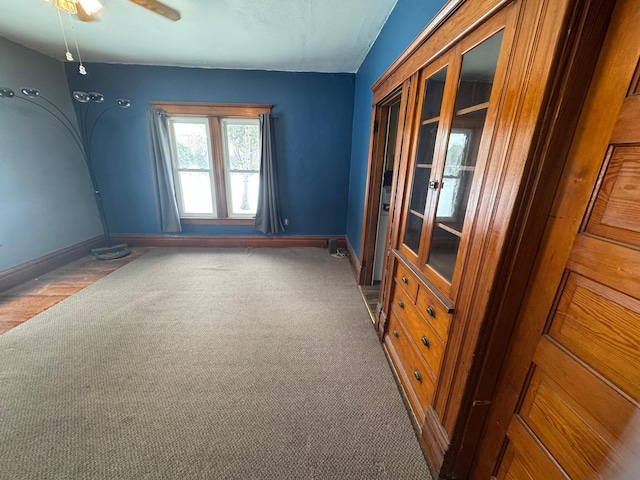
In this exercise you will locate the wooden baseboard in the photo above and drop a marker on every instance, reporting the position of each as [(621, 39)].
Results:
[(26, 271), (381, 326), (225, 241), (355, 262), (434, 439)]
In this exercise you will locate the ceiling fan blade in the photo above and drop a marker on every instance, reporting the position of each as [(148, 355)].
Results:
[(160, 8)]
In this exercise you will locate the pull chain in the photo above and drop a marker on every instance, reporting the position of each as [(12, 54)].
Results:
[(68, 55), (81, 69)]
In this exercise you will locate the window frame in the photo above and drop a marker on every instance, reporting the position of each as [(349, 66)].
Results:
[(177, 170), (226, 158), (214, 113)]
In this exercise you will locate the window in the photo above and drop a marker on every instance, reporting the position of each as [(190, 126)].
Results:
[(215, 152)]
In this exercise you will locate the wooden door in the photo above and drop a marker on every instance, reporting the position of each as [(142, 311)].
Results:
[(577, 348)]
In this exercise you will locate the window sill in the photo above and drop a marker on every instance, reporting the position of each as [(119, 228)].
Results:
[(218, 221)]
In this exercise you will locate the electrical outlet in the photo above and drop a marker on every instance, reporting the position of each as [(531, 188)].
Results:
[(285, 221)]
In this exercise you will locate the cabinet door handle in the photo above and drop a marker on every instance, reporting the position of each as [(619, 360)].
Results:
[(395, 333), (431, 311), (401, 304), (418, 376), (425, 341), (405, 279), (433, 184)]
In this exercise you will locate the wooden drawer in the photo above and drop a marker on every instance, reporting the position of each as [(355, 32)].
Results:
[(413, 371), (427, 342), (435, 312), (407, 280)]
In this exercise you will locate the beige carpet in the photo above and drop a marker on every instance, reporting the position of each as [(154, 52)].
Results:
[(206, 364)]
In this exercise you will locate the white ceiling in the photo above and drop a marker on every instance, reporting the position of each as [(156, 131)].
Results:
[(290, 35)]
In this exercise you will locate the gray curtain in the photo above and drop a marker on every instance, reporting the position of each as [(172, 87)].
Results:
[(161, 153), (268, 212)]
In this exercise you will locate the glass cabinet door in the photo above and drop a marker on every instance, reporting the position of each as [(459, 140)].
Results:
[(423, 163), (454, 183)]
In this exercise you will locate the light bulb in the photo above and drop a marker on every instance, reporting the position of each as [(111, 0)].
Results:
[(96, 97), (81, 97), (6, 92), (30, 92)]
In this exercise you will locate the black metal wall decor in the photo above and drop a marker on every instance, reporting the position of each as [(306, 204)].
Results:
[(82, 134)]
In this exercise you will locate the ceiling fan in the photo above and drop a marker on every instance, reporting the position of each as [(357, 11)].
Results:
[(86, 10)]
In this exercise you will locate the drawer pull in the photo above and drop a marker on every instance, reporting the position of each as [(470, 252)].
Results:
[(405, 279), (431, 311), (395, 333), (418, 376), (425, 341), (401, 304)]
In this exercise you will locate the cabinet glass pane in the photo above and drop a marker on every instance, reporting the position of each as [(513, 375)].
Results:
[(462, 153), (432, 101), (472, 101), (426, 143), (443, 253), (434, 89), (413, 231), (420, 185), (478, 69)]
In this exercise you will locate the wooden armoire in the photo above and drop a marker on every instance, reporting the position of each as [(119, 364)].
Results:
[(494, 99)]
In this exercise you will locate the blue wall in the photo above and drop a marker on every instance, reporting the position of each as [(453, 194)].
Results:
[(407, 20), (313, 139)]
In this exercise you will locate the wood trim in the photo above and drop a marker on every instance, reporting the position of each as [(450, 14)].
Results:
[(33, 268), (225, 241), (445, 12), (407, 107), (537, 26), (209, 109), (377, 136), (353, 259), (530, 308), (441, 33), (435, 440), (218, 221), (378, 142), (477, 261), (410, 88), (549, 142)]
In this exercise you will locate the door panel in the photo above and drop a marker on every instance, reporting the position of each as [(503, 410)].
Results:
[(617, 207), (582, 393), (601, 327), (579, 443), (527, 454)]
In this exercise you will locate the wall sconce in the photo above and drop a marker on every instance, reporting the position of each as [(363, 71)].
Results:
[(83, 138)]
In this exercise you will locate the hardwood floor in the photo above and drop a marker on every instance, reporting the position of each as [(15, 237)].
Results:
[(19, 304)]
